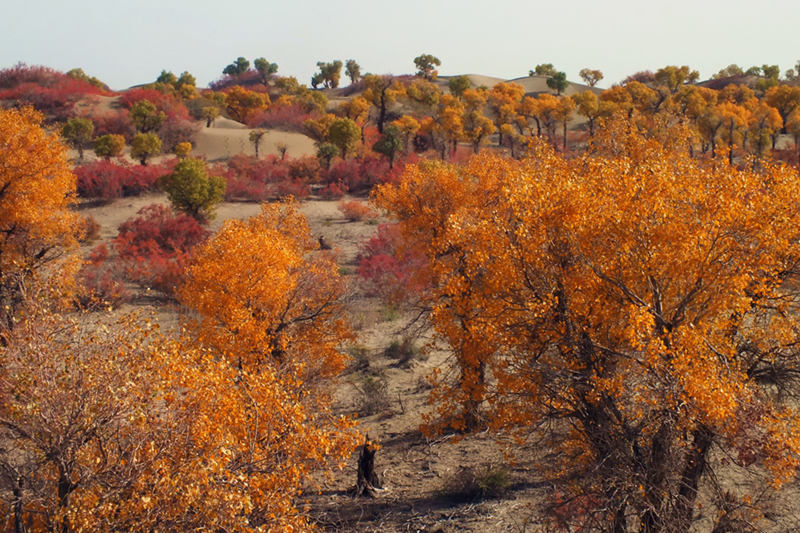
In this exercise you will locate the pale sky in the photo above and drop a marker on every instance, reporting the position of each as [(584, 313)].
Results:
[(127, 42)]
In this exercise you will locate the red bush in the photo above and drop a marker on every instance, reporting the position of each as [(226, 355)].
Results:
[(51, 92), (251, 179), (102, 280), (116, 122), (151, 250), (389, 268), (360, 175), (154, 247), (355, 211), (333, 191), (107, 180), (168, 103), (284, 117)]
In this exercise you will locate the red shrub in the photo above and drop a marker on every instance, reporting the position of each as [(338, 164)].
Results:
[(153, 248), (251, 179), (168, 103), (48, 90), (389, 268), (360, 175), (107, 180), (332, 191), (101, 280), (284, 117), (116, 122), (355, 211)]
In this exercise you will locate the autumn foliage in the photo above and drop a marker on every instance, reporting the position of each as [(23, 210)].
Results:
[(37, 224), (642, 297)]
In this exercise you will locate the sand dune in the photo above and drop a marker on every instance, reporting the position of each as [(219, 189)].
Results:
[(227, 137)]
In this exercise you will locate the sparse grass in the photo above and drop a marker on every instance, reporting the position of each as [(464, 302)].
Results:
[(359, 357), (373, 395), (389, 313), (403, 350), (470, 484)]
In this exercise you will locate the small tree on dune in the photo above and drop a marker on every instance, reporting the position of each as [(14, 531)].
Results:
[(255, 137), (78, 133), (192, 191), (108, 146), (144, 146)]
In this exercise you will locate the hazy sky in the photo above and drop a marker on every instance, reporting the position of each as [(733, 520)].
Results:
[(130, 42)]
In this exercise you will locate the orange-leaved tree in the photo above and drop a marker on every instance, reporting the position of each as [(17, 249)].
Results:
[(634, 306), (268, 306), (37, 190)]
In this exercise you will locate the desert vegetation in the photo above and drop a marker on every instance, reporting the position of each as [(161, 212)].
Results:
[(413, 302)]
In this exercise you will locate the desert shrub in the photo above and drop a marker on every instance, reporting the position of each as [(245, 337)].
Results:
[(167, 103), (356, 211), (360, 175), (109, 145), (373, 396), (404, 351), (49, 91), (284, 117), (250, 79), (116, 123), (470, 484), (359, 358), (153, 248), (387, 267), (89, 229), (333, 191), (177, 130), (306, 168), (251, 179), (107, 180), (101, 281)]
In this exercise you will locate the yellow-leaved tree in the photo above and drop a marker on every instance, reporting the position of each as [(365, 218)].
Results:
[(37, 191), (268, 307), (634, 308)]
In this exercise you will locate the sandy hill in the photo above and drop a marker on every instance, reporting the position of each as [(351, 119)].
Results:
[(227, 137)]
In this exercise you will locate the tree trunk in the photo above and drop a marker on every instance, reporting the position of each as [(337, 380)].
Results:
[(367, 481), (564, 149), (690, 478)]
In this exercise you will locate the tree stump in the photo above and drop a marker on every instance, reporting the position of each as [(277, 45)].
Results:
[(367, 482)]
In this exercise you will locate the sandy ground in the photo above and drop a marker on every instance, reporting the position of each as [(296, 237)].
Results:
[(227, 137)]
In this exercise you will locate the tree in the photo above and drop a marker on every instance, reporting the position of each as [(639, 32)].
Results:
[(278, 332), (673, 77), (192, 191), (764, 122), (408, 126), (504, 101), (591, 77), (37, 224), (78, 133), (242, 103), (544, 69), (108, 146), (182, 149), (558, 82), (238, 67), (167, 78), (144, 146), (146, 116), (326, 152), (381, 92), (329, 74), (265, 69), (630, 295), (344, 134), (784, 98), (426, 66), (352, 70), (729, 71), (209, 113), (588, 105), (255, 138), (357, 110), (566, 106), (390, 143), (91, 426), (458, 84)]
